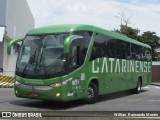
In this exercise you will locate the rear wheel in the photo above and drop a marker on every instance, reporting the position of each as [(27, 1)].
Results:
[(138, 87), (92, 93)]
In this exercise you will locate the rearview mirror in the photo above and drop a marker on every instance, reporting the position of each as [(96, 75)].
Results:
[(68, 42), (11, 43)]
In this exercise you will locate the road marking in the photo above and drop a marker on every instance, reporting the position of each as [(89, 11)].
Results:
[(156, 87), (146, 87)]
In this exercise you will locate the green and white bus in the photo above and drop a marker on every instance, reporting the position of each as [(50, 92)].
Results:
[(70, 62)]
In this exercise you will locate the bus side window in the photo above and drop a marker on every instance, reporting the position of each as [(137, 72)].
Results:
[(143, 53), (75, 56), (98, 49), (128, 51), (112, 52), (138, 52), (148, 54), (121, 49), (84, 44), (135, 52)]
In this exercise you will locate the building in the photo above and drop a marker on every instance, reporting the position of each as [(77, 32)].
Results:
[(15, 20)]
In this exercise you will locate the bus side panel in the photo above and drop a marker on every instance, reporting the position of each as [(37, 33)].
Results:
[(112, 78), (76, 86)]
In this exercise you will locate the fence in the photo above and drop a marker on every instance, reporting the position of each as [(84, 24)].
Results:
[(155, 71), (6, 82)]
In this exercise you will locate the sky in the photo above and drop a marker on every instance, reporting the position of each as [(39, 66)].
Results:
[(142, 14)]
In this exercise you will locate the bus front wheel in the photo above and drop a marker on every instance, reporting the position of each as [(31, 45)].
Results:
[(92, 93)]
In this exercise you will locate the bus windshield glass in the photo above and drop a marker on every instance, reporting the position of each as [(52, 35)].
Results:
[(41, 56)]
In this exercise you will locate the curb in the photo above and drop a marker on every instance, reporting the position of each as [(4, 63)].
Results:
[(6, 82), (155, 84)]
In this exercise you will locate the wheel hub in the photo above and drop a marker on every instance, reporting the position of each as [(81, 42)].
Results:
[(90, 93)]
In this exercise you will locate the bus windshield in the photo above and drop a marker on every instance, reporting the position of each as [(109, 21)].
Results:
[(41, 56)]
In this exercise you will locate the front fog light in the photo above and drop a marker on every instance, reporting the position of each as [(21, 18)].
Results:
[(16, 92), (58, 94)]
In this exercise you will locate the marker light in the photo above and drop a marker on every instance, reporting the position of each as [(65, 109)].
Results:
[(17, 83)]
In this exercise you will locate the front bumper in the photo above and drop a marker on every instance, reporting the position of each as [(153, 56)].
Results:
[(65, 93)]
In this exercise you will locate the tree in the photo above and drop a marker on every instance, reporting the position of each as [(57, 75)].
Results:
[(129, 31), (151, 39), (125, 20), (124, 28), (148, 37)]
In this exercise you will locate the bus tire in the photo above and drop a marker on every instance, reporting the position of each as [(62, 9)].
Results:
[(138, 87), (92, 94)]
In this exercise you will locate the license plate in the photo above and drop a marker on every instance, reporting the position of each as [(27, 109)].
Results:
[(33, 95)]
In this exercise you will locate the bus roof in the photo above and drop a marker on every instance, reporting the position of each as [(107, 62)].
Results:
[(79, 27)]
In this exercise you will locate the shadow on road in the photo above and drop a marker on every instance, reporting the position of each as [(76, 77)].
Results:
[(116, 95), (52, 105)]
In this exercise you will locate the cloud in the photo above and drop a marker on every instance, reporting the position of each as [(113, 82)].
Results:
[(157, 12), (97, 12), (139, 1)]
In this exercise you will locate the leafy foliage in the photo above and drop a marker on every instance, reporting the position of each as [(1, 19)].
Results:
[(148, 37), (129, 31), (151, 39)]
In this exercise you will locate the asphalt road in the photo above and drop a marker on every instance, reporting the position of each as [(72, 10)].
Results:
[(147, 100)]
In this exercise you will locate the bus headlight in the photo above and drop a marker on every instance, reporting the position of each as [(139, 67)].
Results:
[(66, 81), (61, 83), (56, 85)]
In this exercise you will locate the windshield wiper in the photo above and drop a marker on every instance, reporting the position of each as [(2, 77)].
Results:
[(31, 60), (38, 61)]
